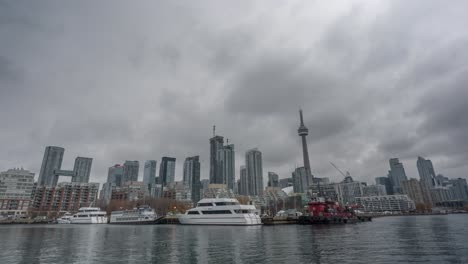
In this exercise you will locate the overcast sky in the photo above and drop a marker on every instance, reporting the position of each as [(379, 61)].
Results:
[(138, 80)]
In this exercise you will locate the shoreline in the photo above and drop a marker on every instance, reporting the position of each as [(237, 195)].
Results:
[(173, 221)]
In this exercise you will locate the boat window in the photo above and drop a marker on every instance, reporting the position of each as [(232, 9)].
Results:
[(193, 212), (242, 211), (225, 203), (205, 204), (217, 212), (82, 215)]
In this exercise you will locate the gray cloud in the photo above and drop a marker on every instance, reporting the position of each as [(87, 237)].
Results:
[(116, 80)]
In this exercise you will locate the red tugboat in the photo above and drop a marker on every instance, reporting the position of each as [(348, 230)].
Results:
[(330, 212)]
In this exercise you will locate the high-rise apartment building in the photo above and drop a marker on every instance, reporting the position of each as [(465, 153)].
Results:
[(286, 182), (385, 181), (459, 189), (253, 162), (51, 163), (243, 182), (167, 170), (130, 172), (428, 179), (149, 174), (226, 164), (301, 180), (427, 173), (412, 188), (396, 174), (216, 144), (273, 179), (192, 177), (82, 169), (115, 175)]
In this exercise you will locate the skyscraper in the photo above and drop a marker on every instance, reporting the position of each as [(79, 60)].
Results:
[(385, 181), (226, 164), (115, 175), (82, 169), (427, 173), (243, 188), (303, 131), (216, 144), (396, 174), (412, 188), (149, 174), (286, 182), (192, 176), (253, 161), (428, 179), (167, 170), (273, 179), (51, 163), (130, 172), (301, 180)]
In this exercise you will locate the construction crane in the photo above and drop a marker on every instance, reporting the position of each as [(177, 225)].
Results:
[(344, 175)]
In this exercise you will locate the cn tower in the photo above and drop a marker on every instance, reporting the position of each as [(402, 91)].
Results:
[(303, 131)]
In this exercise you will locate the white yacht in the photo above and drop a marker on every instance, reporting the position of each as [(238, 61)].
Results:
[(141, 215), (221, 211), (89, 215), (65, 219)]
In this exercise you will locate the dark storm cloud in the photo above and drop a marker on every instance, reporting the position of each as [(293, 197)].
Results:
[(116, 80)]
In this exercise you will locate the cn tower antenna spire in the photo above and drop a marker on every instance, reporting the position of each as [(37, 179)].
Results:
[(302, 119), (303, 131)]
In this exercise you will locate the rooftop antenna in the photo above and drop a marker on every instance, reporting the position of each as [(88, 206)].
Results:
[(227, 141), (214, 131)]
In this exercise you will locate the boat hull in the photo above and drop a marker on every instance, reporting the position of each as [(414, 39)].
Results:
[(231, 219), (89, 220), (151, 222)]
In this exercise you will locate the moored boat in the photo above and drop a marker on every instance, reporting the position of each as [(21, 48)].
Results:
[(329, 212), (65, 219), (89, 215), (220, 211), (138, 216)]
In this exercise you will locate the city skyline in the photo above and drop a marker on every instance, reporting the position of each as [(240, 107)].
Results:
[(84, 164), (369, 91)]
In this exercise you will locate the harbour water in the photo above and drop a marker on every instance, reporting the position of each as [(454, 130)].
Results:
[(405, 239)]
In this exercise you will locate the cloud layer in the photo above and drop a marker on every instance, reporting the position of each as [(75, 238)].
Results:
[(115, 80)]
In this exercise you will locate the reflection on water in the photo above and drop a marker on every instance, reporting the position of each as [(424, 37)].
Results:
[(429, 239)]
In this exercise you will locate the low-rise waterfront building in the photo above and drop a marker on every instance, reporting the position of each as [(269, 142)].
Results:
[(16, 186), (65, 197), (386, 203)]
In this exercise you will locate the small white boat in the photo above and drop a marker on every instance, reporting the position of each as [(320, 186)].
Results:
[(143, 215), (65, 219), (220, 211), (89, 215)]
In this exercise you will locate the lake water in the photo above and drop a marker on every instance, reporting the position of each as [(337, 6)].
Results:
[(424, 239)]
